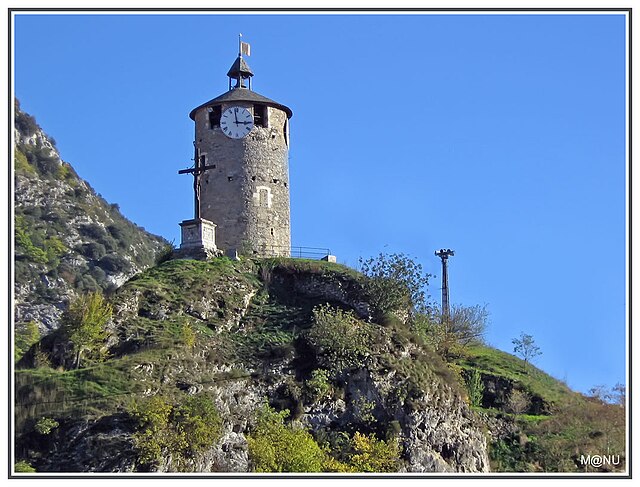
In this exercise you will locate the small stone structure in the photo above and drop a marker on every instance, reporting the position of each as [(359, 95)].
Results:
[(198, 239)]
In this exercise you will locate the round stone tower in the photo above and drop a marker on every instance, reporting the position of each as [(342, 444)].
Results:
[(242, 150)]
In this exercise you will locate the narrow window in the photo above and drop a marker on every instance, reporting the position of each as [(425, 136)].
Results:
[(260, 115), (214, 116), (264, 198)]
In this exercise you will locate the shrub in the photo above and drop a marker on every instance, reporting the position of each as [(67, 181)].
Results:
[(26, 123), (395, 282), (318, 384), (187, 335), (275, 447), (24, 241), (180, 431), (114, 263), (26, 335), (368, 454), (92, 230), (23, 467), (341, 339), (165, 254), (475, 388), (41, 158), (518, 402), (198, 422), (21, 164), (153, 436), (44, 426), (93, 250)]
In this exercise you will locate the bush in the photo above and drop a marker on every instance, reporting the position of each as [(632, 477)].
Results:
[(21, 164), (318, 385), (368, 454), (92, 230), (275, 447), (44, 426), (518, 402), (41, 158), (198, 421), (26, 336), (153, 436), (26, 123), (339, 338), (180, 432), (395, 282), (475, 388), (24, 242), (114, 264), (93, 250), (23, 467)]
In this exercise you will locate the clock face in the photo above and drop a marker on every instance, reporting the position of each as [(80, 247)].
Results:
[(236, 122)]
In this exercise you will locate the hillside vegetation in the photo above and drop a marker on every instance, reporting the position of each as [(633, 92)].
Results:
[(287, 362), (68, 239), (130, 360)]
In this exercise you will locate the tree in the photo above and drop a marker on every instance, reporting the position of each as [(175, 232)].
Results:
[(395, 281), (525, 347), (84, 322), (447, 334)]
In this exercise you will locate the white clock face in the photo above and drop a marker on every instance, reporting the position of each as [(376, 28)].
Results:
[(236, 122)]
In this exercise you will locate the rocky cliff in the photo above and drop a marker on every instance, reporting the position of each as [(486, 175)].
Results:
[(68, 239), (254, 342)]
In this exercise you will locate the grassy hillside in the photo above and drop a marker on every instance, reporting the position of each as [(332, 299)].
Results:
[(303, 336)]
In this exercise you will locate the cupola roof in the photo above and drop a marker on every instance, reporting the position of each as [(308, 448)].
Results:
[(239, 95)]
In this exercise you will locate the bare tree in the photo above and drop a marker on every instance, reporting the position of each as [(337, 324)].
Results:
[(526, 347), (448, 333)]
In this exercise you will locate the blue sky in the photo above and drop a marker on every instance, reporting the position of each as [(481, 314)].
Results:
[(499, 136)]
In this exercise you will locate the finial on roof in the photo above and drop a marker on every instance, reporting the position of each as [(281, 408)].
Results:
[(240, 70)]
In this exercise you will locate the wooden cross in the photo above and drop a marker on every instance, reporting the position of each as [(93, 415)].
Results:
[(198, 168)]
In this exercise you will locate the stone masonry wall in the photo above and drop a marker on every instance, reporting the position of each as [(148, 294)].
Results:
[(247, 194)]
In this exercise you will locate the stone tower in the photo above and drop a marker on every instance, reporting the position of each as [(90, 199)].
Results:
[(242, 150)]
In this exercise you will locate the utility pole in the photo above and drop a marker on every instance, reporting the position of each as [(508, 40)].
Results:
[(444, 254)]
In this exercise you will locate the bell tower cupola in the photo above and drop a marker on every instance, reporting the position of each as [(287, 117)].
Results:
[(240, 72)]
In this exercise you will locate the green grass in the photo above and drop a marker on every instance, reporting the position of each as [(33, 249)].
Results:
[(495, 362), (310, 266), (90, 392)]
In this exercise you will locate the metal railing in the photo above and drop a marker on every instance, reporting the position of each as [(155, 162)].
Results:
[(296, 252)]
